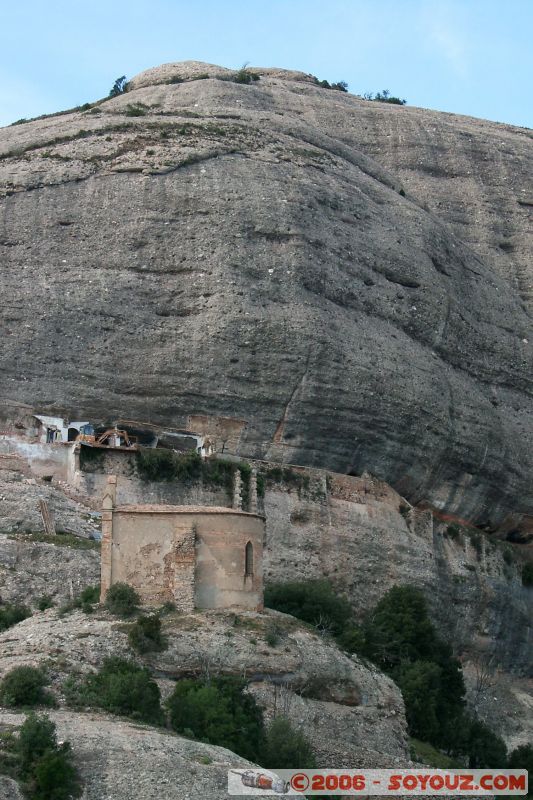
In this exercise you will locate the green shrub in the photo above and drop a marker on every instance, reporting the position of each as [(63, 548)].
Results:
[(145, 635), (313, 601), (272, 634), (160, 464), (136, 110), (286, 747), (286, 476), (92, 459), (244, 76), (55, 777), (37, 735), (220, 713), (167, 608), (45, 767), (59, 539), (384, 97), (119, 87), (120, 687), (420, 684), (85, 600), (476, 540), (91, 594), (11, 614), (400, 638), (24, 686), (340, 86), (400, 629), (122, 600), (352, 639), (453, 531), (45, 602), (425, 753), (508, 556), (522, 758), (484, 748), (527, 574)]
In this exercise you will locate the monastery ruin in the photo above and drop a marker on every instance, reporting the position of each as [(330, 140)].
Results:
[(192, 556)]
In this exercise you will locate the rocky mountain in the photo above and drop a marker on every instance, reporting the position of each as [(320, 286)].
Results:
[(349, 277)]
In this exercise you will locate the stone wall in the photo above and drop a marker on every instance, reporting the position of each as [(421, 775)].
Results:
[(155, 554), (133, 490), (185, 555), (221, 581), (45, 460)]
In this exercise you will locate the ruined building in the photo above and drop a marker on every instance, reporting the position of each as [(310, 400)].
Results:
[(193, 556)]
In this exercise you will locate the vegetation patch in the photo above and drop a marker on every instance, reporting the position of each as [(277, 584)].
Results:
[(384, 97), (86, 601), (119, 87), (60, 539), (453, 532), (91, 459), (160, 464), (427, 754), (285, 745), (136, 110), (399, 637), (244, 75), (476, 540), (285, 476), (44, 602), (527, 574), (122, 600), (12, 614), (273, 633), (24, 686), (120, 687), (218, 712), (315, 602), (145, 635), (340, 86), (39, 762)]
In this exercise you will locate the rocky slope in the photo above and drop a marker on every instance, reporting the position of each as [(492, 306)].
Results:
[(30, 570), (19, 506), (349, 711), (348, 277), (115, 755)]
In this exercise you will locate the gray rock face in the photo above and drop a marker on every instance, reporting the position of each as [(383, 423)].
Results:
[(238, 250), (360, 541), (29, 570), (9, 789), (19, 507)]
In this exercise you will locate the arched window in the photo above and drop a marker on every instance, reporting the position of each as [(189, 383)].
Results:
[(249, 560)]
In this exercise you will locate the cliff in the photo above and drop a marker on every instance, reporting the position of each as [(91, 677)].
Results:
[(356, 532), (348, 277)]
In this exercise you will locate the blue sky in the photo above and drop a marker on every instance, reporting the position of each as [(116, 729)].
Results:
[(468, 56)]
